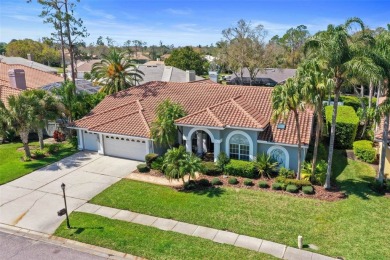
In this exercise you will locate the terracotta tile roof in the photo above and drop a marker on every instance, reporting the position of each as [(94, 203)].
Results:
[(6, 91), (206, 104), (34, 78)]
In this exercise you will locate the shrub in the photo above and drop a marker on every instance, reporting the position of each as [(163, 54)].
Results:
[(308, 189), (53, 148), (320, 173), (346, 125), (211, 169), (233, 181), (216, 181), (298, 183), (241, 168), (158, 164), (378, 187), (143, 167), (364, 151), (354, 101), (265, 165), (276, 186), (149, 158), (248, 182), (204, 182), (190, 185), (263, 184), (286, 173), (73, 141), (38, 154), (292, 188), (222, 161), (58, 136)]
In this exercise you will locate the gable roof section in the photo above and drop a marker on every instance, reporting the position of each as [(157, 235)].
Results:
[(27, 63), (206, 104), (6, 91), (34, 78)]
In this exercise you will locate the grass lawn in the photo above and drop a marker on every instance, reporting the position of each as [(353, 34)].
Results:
[(12, 167), (148, 242), (354, 228)]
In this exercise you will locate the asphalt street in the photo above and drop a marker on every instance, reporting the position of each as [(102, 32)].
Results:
[(17, 247)]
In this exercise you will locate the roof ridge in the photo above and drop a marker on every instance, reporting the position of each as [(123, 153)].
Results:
[(192, 114), (214, 116), (246, 112), (144, 120), (114, 119), (10, 65)]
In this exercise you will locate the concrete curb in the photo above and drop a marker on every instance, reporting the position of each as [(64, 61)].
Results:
[(67, 243)]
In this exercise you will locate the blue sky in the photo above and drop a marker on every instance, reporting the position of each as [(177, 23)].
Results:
[(188, 22)]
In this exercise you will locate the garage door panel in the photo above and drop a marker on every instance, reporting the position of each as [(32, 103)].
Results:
[(90, 141), (129, 148)]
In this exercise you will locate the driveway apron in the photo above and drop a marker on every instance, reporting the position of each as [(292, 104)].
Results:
[(33, 200)]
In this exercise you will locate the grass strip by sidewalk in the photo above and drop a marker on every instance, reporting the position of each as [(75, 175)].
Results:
[(148, 242)]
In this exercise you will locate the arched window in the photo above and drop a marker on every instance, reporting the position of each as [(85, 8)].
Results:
[(239, 147), (280, 155)]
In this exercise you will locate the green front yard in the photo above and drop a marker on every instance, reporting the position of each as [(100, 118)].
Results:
[(354, 228), (148, 242), (12, 167)]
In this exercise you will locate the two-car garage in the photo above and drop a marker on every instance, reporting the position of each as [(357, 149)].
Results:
[(117, 146)]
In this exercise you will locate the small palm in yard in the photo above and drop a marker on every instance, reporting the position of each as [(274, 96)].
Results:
[(191, 164), (164, 131), (265, 165), (116, 72)]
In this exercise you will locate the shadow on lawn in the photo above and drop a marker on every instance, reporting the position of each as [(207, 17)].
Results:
[(359, 186), (79, 230), (209, 192)]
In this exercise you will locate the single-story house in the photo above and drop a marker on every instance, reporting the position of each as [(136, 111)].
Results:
[(379, 137), (266, 77), (232, 119), (28, 63), (166, 73)]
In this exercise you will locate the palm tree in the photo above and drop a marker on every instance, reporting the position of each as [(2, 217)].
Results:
[(384, 110), (334, 48), (20, 114), (46, 109), (285, 99), (163, 130), (315, 89), (173, 161), (265, 165), (116, 72), (191, 164), (67, 96)]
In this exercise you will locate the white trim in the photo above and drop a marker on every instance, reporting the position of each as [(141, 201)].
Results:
[(287, 163), (125, 136), (283, 144), (198, 127), (227, 146), (218, 141), (245, 128), (193, 130)]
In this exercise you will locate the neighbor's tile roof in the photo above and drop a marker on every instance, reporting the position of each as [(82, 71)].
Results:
[(34, 78), (131, 112), (6, 91), (28, 63)]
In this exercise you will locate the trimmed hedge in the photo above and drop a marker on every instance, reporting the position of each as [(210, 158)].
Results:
[(204, 183), (241, 168), (364, 151), (248, 182), (143, 167), (158, 164), (233, 181), (277, 186), (308, 189), (353, 101), (292, 188), (149, 158), (298, 183), (263, 184), (346, 125), (211, 169)]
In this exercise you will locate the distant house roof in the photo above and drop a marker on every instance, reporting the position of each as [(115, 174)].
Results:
[(132, 111), (163, 73), (34, 78), (85, 66), (139, 56), (267, 77), (154, 62), (27, 63)]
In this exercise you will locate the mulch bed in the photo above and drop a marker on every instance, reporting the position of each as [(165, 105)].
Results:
[(334, 194), (152, 172)]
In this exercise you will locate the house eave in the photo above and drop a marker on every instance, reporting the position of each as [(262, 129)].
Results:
[(283, 144)]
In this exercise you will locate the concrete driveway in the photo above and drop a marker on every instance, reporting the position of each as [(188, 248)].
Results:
[(32, 201)]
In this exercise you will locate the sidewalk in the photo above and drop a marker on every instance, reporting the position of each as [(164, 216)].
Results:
[(220, 236)]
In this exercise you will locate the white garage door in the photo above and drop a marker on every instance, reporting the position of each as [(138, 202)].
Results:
[(90, 141), (129, 148)]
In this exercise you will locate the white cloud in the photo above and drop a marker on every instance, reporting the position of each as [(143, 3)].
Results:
[(98, 13)]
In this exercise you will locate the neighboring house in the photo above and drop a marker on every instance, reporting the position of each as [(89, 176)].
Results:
[(139, 57), (378, 138), (167, 74), (28, 63), (232, 119), (154, 62), (84, 66), (267, 77)]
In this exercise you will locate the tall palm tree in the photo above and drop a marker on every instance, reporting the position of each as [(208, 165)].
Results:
[(384, 111), (116, 72), (20, 114), (315, 88), (46, 109), (341, 56), (288, 98), (163, 129)]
